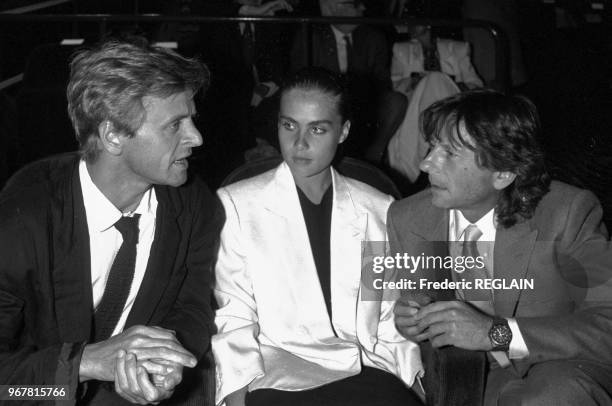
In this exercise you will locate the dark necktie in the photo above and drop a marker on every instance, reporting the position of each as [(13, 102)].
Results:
[(119, 280), (349, 53), (432, 60), (248, 45)]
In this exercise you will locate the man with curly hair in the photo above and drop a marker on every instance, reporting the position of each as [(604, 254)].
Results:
[(535, 303)]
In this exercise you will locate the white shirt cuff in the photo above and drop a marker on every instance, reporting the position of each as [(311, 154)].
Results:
[(518, 348)]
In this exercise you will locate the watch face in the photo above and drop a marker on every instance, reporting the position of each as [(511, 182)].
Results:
[(501, 335)]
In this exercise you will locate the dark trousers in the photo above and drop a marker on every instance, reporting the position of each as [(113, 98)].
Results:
[(551, 383), (372, 387)]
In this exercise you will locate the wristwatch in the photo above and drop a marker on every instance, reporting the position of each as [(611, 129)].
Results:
[(500, 334)]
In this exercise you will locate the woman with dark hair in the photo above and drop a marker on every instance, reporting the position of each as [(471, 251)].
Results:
[(292, 328)]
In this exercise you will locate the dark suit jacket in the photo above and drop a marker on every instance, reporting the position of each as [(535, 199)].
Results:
[(227, 109), (564, 247), (371, 58), (368, 80), (45, 278), (223, 50)]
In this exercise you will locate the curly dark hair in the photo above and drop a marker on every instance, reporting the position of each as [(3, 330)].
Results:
[(504, 132)]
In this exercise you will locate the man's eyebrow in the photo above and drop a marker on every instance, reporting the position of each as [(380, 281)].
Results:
[(319, 122), (179, 116), (281, 117)]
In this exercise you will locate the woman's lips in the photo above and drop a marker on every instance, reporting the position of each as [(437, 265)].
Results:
[(301, 160)]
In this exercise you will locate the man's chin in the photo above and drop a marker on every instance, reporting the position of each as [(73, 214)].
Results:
[(177, 180), (440, 202)]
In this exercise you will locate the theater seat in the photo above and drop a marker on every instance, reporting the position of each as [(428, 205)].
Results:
[(453, 376), (347, 166)]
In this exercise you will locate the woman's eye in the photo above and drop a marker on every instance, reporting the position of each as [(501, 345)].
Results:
[(287, 125), (318, 130)]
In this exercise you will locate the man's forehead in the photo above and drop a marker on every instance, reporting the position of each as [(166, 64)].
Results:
[(456, 136), (164, 109), (181, 96)]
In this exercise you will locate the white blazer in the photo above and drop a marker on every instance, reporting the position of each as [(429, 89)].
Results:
[(273, 326), (454, 57)]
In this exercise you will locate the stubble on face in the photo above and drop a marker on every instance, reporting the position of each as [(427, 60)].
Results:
[(457, 180)]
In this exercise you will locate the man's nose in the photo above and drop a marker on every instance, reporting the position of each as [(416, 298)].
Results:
[(194, 137), (427, 165)]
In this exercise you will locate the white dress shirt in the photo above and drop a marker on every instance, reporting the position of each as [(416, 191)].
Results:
[(486, 244), (341, 48), (105, 240)]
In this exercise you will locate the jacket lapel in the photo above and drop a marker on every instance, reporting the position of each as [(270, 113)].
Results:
[(345, 218), (331, 49), (284, 214), (348, 230), (512, 251), (432, 229), (436, 244), (432, 222), (72, 263), (162, 258)]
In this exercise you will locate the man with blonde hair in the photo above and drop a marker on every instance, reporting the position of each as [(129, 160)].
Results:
[(106, 255)]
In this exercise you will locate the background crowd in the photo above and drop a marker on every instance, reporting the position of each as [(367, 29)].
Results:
[(558, 55)]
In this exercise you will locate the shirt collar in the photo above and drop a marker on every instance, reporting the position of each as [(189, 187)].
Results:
[(101, 213), (486, 224), (340, 35), (147, 205)]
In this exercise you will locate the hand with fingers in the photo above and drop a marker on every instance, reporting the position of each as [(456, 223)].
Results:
[(445, 323), (168, 377), (405, 311), (129, 357), (133, 383)]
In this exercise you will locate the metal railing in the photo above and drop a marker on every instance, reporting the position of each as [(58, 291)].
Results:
[(35, 7), (103, 20)]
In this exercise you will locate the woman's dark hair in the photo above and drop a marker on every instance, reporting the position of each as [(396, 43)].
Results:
[(324, 80), (503, 130)]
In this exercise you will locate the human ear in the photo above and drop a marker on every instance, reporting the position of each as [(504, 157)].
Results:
[(503, 179), (110, 138), (344, 132)]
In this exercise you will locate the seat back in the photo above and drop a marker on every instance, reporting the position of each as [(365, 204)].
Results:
[(347, 166)]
